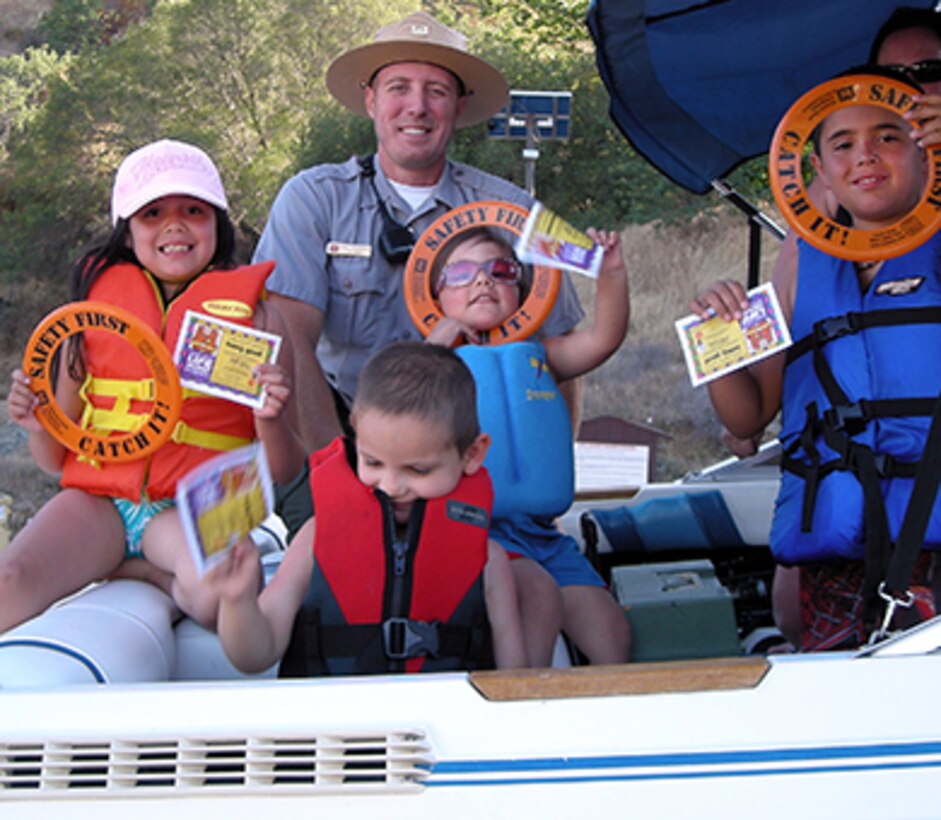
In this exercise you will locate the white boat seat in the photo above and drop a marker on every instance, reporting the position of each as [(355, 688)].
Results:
[(122, 631), (117, 631)]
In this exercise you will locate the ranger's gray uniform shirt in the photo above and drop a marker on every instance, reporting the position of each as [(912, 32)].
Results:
[(357, 290)]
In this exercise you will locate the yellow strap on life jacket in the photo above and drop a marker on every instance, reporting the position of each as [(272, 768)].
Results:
[(120, 419), (184, 434)]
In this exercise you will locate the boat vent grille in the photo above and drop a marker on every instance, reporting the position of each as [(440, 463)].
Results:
[(390, 762)]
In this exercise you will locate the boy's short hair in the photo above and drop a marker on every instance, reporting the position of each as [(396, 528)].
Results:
[(423, 380), (484, 233), (903, 19)]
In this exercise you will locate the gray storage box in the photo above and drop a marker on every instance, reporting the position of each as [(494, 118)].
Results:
[(677, 610)]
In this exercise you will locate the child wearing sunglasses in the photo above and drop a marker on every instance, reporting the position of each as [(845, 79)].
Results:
[(479, 283)]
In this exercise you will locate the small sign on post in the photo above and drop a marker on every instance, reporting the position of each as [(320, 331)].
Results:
[(532, 116)]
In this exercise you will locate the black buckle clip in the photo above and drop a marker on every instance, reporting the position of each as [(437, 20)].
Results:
[(405, 639), (884, 465), (834, 326), (849, 417)]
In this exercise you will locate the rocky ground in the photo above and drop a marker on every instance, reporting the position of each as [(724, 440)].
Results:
[(23, 488)]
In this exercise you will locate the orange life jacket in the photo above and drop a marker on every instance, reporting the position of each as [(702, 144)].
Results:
[(118, 388)]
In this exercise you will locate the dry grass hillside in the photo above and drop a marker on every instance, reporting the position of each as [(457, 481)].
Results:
[(645, 381)]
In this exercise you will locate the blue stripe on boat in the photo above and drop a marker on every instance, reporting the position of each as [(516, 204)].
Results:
[(95, 670)]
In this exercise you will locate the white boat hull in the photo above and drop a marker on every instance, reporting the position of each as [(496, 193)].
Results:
[(804, 735), (827, 735)]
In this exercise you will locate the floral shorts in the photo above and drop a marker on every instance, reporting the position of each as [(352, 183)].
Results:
[(136, 517)]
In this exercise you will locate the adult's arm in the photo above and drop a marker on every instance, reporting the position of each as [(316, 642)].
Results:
[(313, 411), (294, 237)]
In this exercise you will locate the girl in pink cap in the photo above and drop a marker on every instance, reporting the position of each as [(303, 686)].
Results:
[(170, 250)]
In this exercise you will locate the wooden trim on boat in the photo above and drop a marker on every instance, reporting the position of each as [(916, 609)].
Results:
[(620, 493), (713, 674)]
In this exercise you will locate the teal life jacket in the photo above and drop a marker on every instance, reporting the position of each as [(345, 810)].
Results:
[(530, 461)]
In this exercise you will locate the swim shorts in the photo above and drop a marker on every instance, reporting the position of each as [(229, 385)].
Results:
[(135, 518), (540, 540)]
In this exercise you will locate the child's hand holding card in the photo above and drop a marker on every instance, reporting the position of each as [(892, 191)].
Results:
[(219, 358)]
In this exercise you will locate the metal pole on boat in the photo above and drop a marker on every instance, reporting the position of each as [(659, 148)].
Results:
[(530, 155), (757, 221), (532, 116)]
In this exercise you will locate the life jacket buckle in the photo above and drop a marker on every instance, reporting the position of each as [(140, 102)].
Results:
[(833, 327), (851, 418), (403, 639), (884, 464)]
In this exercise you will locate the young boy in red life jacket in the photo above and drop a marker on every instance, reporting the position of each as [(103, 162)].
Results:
[(865, 157), (395, 571)]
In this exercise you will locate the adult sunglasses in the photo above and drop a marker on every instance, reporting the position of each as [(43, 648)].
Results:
[(461, 274), (924, 71)]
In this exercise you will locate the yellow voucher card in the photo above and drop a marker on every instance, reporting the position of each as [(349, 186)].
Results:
[(222, 500), (547, 239), (713, 347), (218, 357)]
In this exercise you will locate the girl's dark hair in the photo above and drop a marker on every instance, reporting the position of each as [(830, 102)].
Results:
[(903, 19), (116, 249)]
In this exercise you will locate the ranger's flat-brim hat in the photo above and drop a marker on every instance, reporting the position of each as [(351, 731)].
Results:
[(419, 38)]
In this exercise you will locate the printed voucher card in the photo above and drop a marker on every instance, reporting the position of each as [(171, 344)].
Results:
[(223, 500), (217, 357), (714, 347), (549, 240)]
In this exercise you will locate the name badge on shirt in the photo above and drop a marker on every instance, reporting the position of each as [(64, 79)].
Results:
[(348, 249)]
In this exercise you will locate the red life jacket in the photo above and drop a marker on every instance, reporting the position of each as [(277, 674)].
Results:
[(118, 384), (375, 606)]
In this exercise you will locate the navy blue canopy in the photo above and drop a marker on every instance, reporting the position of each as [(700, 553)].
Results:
[(698, 87)]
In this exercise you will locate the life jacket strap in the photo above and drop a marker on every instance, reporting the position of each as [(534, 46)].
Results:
[(119, 419), (207, 439), (834, 327), (402, 639)]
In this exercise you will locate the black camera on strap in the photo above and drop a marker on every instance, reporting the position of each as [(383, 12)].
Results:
[(396, 241)]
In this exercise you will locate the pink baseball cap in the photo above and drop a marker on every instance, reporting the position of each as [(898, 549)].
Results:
[(164, 168)]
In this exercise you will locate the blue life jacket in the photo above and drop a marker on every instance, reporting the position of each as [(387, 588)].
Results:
[(860, 385), (530, 461)]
